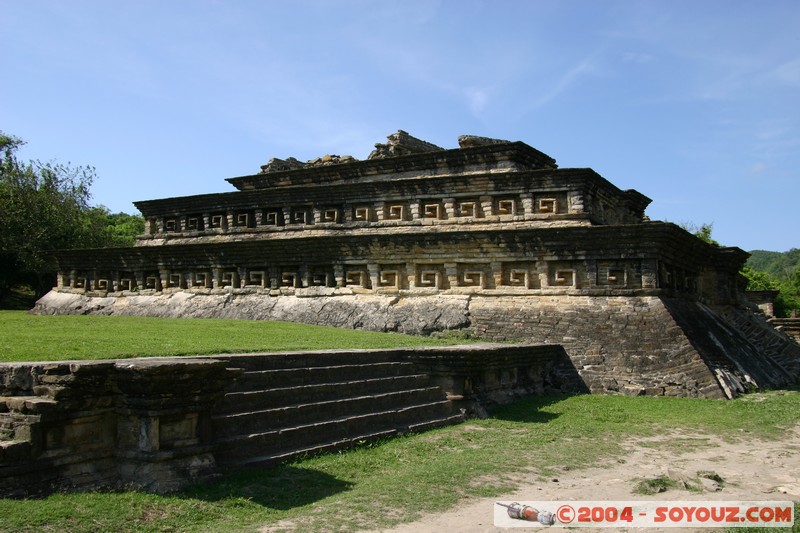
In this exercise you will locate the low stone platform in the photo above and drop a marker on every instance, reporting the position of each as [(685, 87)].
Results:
[(156, 424)]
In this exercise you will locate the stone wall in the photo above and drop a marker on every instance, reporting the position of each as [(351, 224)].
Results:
[(650, 345), (150, 423), (138, 423), (654, 259)]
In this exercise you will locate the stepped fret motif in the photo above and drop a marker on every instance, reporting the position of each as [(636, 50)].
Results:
[(492, 237)]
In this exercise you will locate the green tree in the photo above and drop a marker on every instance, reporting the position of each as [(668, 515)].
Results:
[(43, 206), (702, 232), (122, 228), (758, 280), (788, 301), (788, 298)]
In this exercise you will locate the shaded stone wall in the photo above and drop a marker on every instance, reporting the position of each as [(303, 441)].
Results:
[(619, 345), (650, 345), (140, 423), (147, 423)]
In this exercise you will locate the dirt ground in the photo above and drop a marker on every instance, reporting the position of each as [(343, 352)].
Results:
[(750, 470)]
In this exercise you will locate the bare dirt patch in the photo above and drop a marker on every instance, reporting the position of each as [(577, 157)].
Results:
[(703, 467)]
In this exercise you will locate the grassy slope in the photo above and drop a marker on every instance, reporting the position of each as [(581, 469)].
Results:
[(25, 337), (378, 485)]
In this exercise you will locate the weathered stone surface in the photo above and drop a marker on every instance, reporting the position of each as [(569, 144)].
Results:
[(134, 423), (491, 237), (275, 164), (331, 159), (401, 143), (157, 424), (625, 344), (468, 141), (415, 315)]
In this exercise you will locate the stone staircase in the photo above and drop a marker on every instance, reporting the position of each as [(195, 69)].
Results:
[(790, 326), (288, 405)]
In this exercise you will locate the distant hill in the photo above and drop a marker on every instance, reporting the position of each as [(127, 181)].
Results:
[(778, 264)]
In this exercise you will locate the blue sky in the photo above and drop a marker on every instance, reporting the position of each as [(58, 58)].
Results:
[(696, 104)]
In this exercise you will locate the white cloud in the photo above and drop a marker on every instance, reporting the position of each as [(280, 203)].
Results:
[(476, 99), (637, 57), (758, 168), (569, 78), (788, 72)]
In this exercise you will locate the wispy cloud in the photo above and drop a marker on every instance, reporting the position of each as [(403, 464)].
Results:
[(788, 73), (476, 99), (571, 77), (777, 138), (637, 57), (758, 169)]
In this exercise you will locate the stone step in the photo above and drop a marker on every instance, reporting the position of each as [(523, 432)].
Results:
[(348, 442), (242, 448), (425, 425), (317, 449), (14, 450), (292, 415), (252, 400), (281, 378), (272, 361)]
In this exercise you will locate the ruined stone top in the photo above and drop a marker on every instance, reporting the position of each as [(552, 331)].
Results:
[(407, 185), (401, 143), (402, 153)]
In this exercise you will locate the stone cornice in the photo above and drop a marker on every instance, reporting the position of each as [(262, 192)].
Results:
[(514, 154), (444, 184)]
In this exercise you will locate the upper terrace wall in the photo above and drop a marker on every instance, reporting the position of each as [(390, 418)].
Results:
[(577, 196)]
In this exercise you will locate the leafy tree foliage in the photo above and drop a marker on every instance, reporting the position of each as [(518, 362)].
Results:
[(45, 206), (704, 233), (788, 302), (786, 281), (758, 280), (765, 271), (122, 228)]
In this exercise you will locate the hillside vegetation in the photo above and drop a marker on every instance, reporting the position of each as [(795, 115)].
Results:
[(777, 264), (776, 271)]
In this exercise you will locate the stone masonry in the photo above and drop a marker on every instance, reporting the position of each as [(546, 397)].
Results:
[(491, 238), (157, 424)]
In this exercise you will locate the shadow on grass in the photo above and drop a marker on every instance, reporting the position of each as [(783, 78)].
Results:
[(18, 298), (281, 487), (529, 409)]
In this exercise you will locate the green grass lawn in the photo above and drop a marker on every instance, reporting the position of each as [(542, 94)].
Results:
[(379, 485), (371, 487), (26, 337)]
